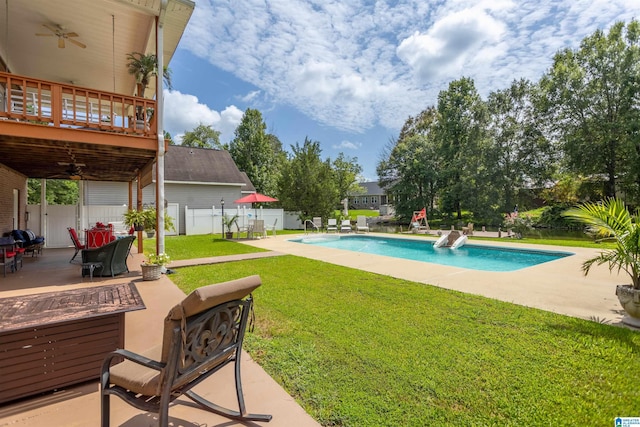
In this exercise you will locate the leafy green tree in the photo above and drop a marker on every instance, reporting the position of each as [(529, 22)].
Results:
[(409, 169), (306, 184), (462, 142), (168, 138), (203, 136), (591, 99), (346, 175), (519, 154), (252, 150), (59, 192)]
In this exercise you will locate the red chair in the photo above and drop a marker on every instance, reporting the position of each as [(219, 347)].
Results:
[(76, 242), (7, 260)]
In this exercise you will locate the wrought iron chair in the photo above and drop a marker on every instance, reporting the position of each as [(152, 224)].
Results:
[(202, 334)]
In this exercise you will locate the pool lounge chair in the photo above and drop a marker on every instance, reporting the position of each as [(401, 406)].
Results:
[(345, 226), (361, 224), (332, 225), (317, 223)]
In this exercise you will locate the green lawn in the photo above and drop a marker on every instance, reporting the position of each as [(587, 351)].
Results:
[(360, 349), (199, 246)]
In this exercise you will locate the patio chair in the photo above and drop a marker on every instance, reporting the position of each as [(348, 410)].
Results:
[(7, 255), (201, 335), (361, 224), (258, 228), (345, 226), (317, 223), (332, 225), (272, 228), (468, 230), (112, 256), (76, 242)]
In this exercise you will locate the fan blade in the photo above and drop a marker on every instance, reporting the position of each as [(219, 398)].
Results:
[(45, 35), (71, 35), (77, 43), (61, 42), (50, 28)]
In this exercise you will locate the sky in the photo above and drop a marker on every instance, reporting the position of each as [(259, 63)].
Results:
[(348, 73)]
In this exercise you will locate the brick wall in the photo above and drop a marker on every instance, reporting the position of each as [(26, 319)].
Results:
[(10, 180)]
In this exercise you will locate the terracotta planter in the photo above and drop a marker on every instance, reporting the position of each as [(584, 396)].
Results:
[(151, 271), (630, 300)]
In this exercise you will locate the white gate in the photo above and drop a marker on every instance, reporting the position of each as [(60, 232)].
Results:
[(174, 212), (58, 218)]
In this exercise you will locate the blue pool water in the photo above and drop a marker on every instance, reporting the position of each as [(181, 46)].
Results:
[(476, 257)]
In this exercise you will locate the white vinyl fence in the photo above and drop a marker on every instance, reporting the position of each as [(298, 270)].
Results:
[(209, 221)]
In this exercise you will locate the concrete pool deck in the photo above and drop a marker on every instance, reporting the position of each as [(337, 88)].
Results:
[(558, 286)]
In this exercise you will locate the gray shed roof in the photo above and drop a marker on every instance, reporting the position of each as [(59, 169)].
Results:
[(189, 164)]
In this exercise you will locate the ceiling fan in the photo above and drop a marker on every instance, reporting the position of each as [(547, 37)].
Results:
[(73, 171), (62, 35)]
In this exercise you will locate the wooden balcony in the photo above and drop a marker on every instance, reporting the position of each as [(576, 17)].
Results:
[(45, 125), (59, 105)]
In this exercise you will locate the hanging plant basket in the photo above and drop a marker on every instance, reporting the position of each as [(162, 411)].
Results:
[(151, 271)]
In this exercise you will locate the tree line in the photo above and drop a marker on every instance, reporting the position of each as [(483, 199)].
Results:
[(573, 135), (301, 180)]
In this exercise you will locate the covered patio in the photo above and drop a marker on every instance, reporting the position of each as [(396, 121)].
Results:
[(79, 405)]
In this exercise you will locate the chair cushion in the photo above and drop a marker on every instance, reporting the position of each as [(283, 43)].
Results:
[(20, 235), (31, 234), (209, 296), (138, 378), (202, 299)]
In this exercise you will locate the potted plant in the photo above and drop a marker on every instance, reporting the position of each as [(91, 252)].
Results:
[(227, 222), (611, 220), (150, 222), (144, 67), (153, 265), (136, 219)]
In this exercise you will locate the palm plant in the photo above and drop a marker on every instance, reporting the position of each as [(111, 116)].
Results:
[(144, 67), (611, 220)]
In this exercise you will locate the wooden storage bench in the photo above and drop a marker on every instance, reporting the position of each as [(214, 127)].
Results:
[(55, 339)]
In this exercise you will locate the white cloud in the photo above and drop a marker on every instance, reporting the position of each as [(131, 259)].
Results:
[(184, 112), (347, 145), (451, 43), (251, 96), (354, 65)]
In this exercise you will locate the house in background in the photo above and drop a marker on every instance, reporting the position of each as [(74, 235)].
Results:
[(195, 177), (373, 197), (67, 98)]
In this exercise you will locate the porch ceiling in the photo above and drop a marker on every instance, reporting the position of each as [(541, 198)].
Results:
[(110, 29), (50, 159)]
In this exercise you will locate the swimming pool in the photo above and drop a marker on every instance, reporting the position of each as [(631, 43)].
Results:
[(475, 257)]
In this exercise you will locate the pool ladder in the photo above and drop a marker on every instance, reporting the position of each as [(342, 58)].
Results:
[(313, 226)]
